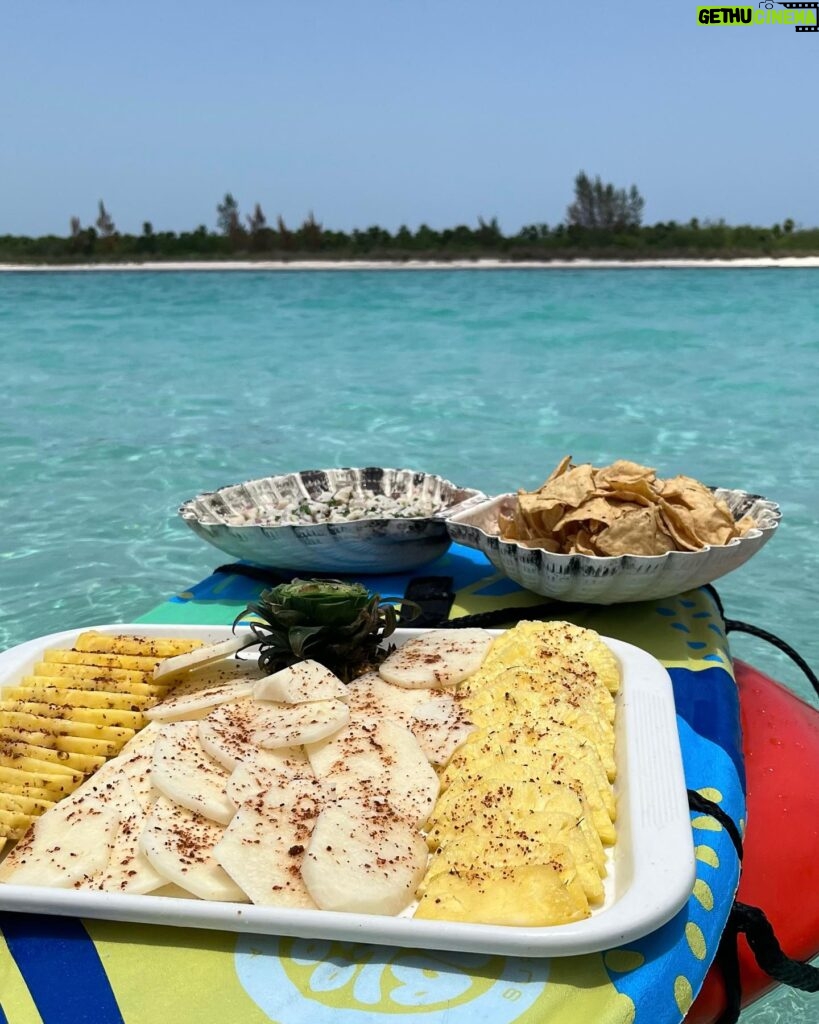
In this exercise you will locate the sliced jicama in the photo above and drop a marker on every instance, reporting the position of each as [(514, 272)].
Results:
[(263, 847), (135, 767), (226, 732), (265, 769), (442, 657), (143, 740), (175, 892), (128, 869), (179, 844), (233, 730), (373, 698), (440, 725), (363, 858), (191, 706), (183, 772), (201, 656), (68, 842), (285, 725), (380, 760), (305, 681)]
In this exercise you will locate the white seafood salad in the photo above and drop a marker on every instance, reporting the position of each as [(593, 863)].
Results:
[(345, 505)]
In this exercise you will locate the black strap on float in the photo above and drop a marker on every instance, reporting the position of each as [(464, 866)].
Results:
[(735, 626), (755, 926), (702, 805)]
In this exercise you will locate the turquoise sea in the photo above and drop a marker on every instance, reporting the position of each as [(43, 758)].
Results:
[(123, 394)]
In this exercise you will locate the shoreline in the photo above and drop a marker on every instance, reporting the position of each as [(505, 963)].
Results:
[(764, 262)]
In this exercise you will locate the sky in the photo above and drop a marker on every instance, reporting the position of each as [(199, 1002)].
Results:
[(397, 112)]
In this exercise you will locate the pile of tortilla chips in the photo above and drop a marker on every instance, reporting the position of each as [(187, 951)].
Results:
[(621, 509)]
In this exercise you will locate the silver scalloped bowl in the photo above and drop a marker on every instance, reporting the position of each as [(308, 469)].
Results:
[(239, 521), (593, 579)]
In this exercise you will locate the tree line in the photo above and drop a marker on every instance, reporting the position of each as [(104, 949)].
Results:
[(601, 221)]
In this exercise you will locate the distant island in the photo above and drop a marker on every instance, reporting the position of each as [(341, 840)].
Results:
[(602, 223)]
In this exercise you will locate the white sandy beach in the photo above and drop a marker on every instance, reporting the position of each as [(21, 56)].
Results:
[(765, 263)]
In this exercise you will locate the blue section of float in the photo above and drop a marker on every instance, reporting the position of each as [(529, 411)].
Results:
[(674, 957), (61, 967), (709, 703)]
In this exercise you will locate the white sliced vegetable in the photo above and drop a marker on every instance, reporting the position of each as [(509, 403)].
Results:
[(134, 767), (300, 683), (440, 725), (128, 869), (201, 656), (183, 772), (175, 891), (232, 731), (192, 706), (179, 844), (372, 698), (363, 859), (265, 769), (380, 760), (69, 841), (142, 740), (285, 725), (238, 669), (226, 733), (442, 657), (263, 847)]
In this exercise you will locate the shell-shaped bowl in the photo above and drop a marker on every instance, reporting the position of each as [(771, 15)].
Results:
[(233, 519), (593, 579)]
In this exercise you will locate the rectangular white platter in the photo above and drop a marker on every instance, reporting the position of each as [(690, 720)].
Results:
[(651, 867)]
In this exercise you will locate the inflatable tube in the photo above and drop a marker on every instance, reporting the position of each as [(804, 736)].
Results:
[(780, 870)]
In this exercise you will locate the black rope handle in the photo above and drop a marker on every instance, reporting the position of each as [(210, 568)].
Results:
[(755, 926), (499, 616), (702, 805), (733, 626)]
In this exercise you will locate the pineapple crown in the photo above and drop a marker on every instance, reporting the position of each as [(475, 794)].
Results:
[(341, 625)]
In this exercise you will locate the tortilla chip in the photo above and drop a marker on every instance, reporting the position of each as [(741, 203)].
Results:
[(623, 472), (636, 533), (596, 510), (639, 491), (693, 529), (559, 469), (540, 515), (571, 488)]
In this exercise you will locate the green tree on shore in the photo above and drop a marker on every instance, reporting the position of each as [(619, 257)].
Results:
[(256, 221), (602, 207), (227, 214), (258, 230), (105, 222), (229, 222)]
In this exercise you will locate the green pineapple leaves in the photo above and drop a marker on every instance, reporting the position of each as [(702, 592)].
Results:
[(341, 625)]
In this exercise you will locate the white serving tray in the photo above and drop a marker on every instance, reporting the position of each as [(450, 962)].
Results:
[(651, 867)]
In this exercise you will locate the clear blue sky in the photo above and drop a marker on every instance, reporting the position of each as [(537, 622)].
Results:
[(397, 111)]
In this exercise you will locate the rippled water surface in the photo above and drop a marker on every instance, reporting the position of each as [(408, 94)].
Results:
[(124, 394)]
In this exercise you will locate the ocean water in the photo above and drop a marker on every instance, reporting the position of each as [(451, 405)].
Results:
[(123, 394)]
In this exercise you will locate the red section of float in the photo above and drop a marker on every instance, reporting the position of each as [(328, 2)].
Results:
[(780, 872)]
